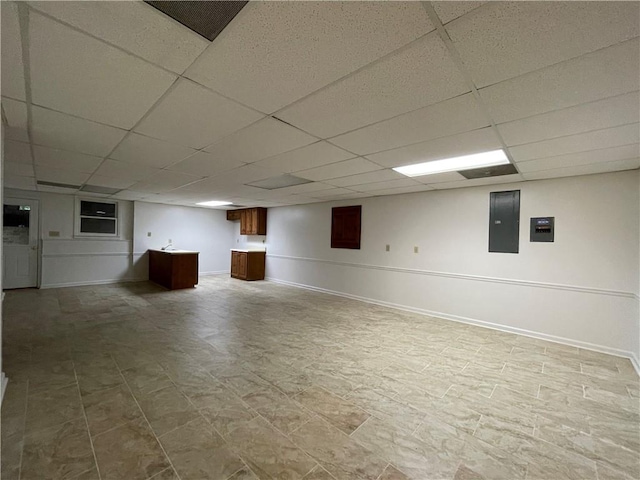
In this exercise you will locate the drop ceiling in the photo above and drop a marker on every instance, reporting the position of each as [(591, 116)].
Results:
[(120, 96)]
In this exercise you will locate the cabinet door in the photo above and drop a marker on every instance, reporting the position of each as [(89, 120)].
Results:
[(243, 222), (234, 264), (253, 228), (242, 265)]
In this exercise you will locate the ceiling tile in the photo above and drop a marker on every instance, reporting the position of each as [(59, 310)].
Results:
[(401, 190), (361, 179), (315, 155), (312, 45), (149, 188), (610, 137), (129, 195), (329, 193), (74, 73), (263, 139), (161, 40), (446, 118), (196, 117), (59, 175), (204, 164), (505, 39), (448, 11), (110, 182), (12, 65), (440, 178), (20, 169), (609, 112), (339, 169), (22, 183), (476, 141), (79, 162), (394, 85), (171, 179), (149, 151), (615, 166), (516, 177), (605, 73), (17, 152), (304, 188), (125, 171), (62, 131), (581, 158), (398, 183), (16, 113), (245, 174)]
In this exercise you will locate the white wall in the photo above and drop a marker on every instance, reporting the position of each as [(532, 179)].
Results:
[(580, 289), (199, 229), (69, 261)]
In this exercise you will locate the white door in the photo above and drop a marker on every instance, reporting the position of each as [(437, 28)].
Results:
[(20, 243)]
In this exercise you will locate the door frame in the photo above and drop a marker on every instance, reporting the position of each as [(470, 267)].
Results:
[(17, 200)]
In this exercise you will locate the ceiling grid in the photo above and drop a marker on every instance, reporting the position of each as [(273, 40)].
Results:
[(370, 86)]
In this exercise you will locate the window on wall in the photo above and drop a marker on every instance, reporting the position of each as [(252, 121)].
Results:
[(96, 218)]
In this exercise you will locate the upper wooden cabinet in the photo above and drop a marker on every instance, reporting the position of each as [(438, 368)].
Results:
[(253, 221), (233, 215)]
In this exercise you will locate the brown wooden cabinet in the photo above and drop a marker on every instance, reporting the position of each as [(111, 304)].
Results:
[(253, 221), (233, 215), (247, 265), (173, 269)]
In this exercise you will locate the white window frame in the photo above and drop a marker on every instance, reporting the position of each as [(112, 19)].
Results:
[(77, 217)]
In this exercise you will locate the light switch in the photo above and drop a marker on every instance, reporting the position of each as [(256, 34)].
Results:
[(54, 233), (148, 234), (415, 249), (388, 248)]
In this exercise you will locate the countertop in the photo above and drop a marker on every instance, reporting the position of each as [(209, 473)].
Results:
[(248, 250), (173, 252)]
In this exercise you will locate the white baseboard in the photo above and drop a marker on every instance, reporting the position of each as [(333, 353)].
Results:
[(120, 280), (473, 321), (92, 282), (5, 381), (635, 362)]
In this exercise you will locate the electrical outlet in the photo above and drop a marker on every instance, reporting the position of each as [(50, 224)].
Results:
[(388, 248), (148, 234), (415, 249)]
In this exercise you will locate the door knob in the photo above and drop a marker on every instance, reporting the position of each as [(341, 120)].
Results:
[(34, 248)]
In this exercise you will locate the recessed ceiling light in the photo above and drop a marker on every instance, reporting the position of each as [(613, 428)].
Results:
[(454, 164), (214, 203)]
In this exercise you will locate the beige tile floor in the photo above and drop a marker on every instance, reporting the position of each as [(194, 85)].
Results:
[(238, 380)]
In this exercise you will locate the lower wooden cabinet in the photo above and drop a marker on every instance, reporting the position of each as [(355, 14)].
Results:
[(173, 269), (247, 265)]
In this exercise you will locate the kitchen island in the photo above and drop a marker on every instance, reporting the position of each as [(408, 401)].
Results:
[(173, 269)]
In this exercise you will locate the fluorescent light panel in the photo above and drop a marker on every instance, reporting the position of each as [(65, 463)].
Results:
[(214, 203), (454, 164)]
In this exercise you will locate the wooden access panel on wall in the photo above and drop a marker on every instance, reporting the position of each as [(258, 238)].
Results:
[(345, 227)]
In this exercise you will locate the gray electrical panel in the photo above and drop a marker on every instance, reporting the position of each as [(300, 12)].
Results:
[(504, 222), (541, 229)]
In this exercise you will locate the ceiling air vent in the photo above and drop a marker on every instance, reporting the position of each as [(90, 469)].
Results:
[(58, 185), (280, 181), (484, 172), (205, 18)]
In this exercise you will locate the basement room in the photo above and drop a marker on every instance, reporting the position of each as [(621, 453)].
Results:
[(320, 240)]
